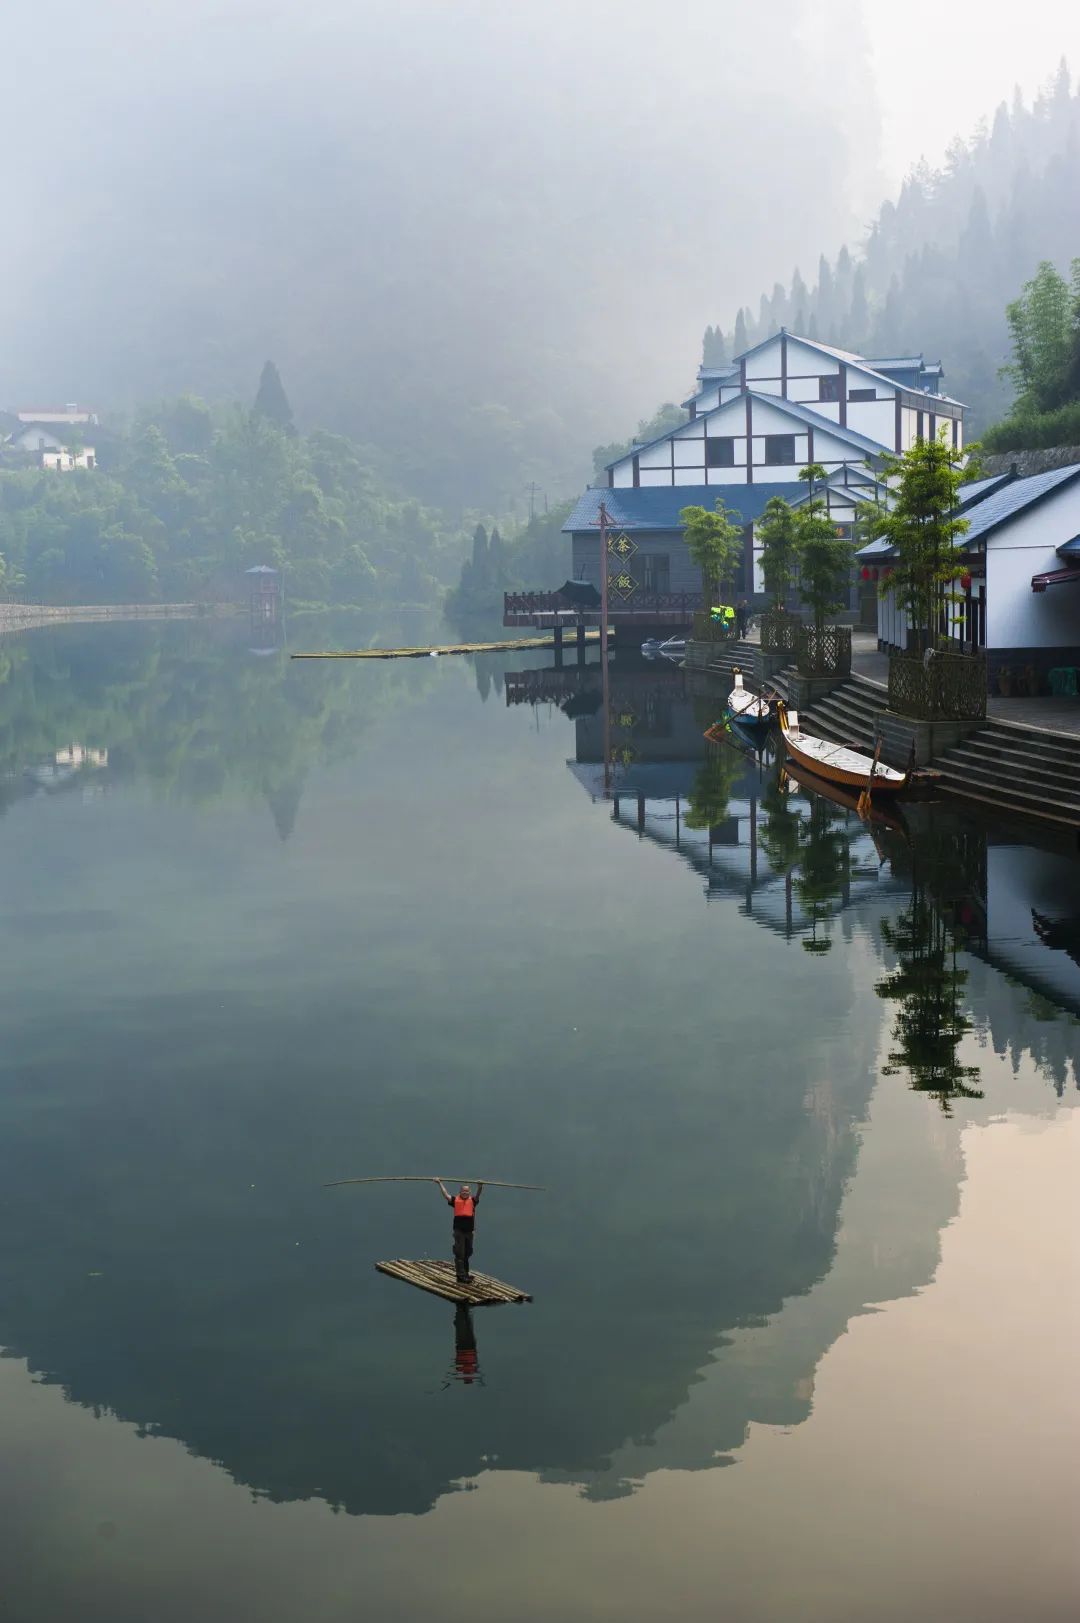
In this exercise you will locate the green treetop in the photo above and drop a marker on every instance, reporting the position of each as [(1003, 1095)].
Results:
[(778, 534), (922, 525), (824, 556), (714, 541), (1044, 323)]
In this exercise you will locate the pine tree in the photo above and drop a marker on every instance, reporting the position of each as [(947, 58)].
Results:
[(272, 402), (739, 343), (859, 314), (779, 304), (825, 305), (799, 300), (479, 549), (497, 558)]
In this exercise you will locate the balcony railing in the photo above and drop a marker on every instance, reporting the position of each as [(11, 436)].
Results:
[(636, 602)]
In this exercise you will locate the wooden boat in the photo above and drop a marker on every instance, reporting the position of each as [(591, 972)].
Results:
[(836, 763), (884, 813), (754, 714)]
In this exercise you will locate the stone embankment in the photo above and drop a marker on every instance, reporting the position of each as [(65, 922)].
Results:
[(1029, 462)]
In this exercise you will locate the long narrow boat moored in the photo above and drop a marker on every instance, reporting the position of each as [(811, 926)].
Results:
[(836, 763)]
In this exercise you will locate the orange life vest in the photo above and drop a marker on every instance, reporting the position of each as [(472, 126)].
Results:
[(464, 1205)]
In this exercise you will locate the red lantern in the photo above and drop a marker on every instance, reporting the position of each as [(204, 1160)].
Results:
[(866, 572), (965, 581)]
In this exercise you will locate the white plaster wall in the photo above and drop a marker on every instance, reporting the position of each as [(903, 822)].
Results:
[(657, 476), (827, 449), (874, 418), (692, 431), (657, 456), (910, 425), (766, 362), (709, 399), (623, 475), (36, 439), (769, 419), (805, 391), (802, 358), (1017, 617)]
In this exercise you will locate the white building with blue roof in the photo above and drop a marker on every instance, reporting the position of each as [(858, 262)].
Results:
[(750, 428), (1019, 597)]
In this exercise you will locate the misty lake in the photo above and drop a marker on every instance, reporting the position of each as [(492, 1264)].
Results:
[(802, 1093)]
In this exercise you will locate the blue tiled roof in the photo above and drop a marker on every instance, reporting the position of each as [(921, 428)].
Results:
[(977, 489), (1015, 497), (658, 507), (1006, 497)]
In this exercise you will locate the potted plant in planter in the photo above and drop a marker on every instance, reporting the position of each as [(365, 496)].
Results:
[(1005, 677), (1029, 683)]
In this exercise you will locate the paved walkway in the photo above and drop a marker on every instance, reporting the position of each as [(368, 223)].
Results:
[(1055, 715)]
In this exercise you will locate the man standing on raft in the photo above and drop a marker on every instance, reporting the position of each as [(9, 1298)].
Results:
[(464, 1205)]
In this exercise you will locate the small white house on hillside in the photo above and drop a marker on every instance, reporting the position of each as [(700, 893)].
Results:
[(46, 433)]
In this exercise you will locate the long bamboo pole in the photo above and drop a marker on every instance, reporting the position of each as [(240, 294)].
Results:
[(489, 1183)]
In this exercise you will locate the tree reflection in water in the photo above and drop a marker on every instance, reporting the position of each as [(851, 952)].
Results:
[(927, 983)]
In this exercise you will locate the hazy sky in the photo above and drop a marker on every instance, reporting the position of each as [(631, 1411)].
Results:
[(940, 68), (520, 217)]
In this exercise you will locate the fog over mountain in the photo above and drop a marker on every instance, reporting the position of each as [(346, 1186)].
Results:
[(477, 236)]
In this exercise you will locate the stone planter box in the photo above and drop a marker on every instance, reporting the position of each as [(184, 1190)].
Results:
[(823, 653), (943, 687)]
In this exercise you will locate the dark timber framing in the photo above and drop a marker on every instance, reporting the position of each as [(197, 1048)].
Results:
[(749, 440)]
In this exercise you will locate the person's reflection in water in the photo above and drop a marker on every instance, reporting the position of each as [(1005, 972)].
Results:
[(466, 1366)]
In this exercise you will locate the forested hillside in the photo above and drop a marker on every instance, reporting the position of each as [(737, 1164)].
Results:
[(185, 500), (940, 264)]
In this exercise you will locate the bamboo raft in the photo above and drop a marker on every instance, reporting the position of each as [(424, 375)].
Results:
[(446, 648), (440, 1280)]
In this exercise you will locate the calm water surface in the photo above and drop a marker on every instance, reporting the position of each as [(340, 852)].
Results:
[(804, 1339)]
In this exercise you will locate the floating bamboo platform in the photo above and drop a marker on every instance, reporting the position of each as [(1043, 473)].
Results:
[(508, 646), (440, 1280)]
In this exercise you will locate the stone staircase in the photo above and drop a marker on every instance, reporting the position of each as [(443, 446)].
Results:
[(1007, 767), (845, 715), (1020, 770), (723, 659)]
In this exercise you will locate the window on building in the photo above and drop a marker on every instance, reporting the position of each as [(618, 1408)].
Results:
[(862, 394), (780, 450), (720, 452), (829, 388), (657, 566)]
